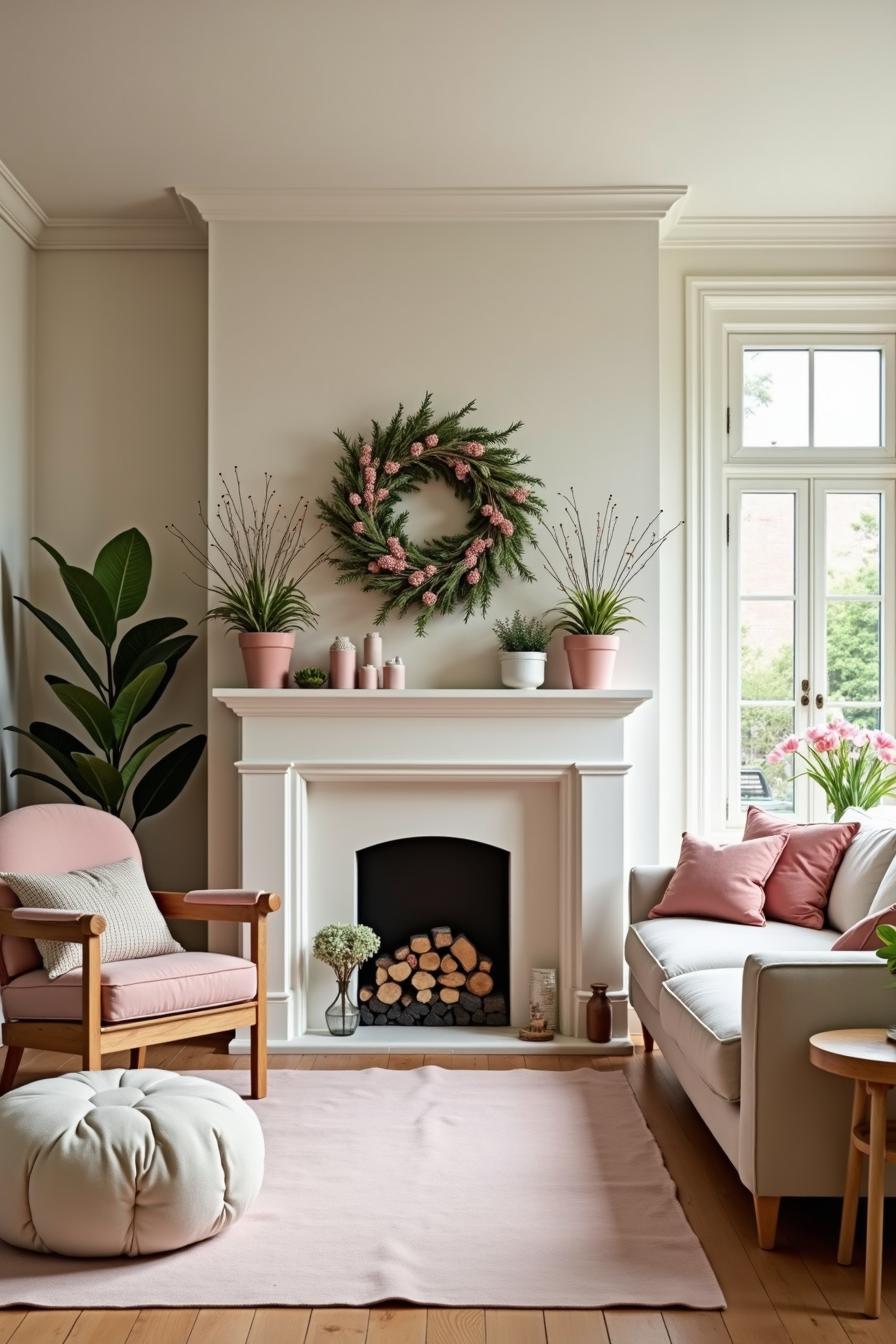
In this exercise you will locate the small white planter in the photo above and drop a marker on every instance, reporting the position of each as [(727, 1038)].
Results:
[(523, 671)]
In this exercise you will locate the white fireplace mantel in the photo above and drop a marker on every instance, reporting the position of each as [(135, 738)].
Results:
[(324, 773)]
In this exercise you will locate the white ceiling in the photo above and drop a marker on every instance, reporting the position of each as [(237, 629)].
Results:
[(773, 107)]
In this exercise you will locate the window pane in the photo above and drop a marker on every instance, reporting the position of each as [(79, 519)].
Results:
[(864, 716), (853, 650), (847, 398), (852, 543), (776, 399), (766, 542), (761, 784), (766, 651)]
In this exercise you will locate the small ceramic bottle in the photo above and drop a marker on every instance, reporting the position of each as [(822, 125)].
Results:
[(342, 664), (393, 675), (367, 677), (599, 1015), (373, 654)]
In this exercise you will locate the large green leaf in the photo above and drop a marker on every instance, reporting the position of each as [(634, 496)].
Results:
[(140, 638), (163, 781), (66, 640), (123, 567), (47, 779), (59, 746), (145, 750), (88, 709), (51, 550), (102, 777), (91, 602), (168, 651), (170, 669), (133, 698)]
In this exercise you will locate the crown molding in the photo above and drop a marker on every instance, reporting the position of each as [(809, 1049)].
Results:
[(121, 235), (782, 231), (20, 210), (437, 205)]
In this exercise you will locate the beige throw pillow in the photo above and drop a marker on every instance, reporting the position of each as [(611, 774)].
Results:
[(862, 869), (118, 892)]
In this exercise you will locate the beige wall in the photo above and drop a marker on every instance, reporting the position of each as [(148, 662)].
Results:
[(676, 265), (120, 442), (314, 326), (16, 366)]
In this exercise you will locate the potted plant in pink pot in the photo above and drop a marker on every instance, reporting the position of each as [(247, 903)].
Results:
[(252, 547), (596, 588)]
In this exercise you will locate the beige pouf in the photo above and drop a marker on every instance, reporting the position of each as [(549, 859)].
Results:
[(124, 1162)]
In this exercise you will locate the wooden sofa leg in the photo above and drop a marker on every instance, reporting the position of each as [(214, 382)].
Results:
[(648, 1040), (138, 1057), (11, 1064), (767, 1207)]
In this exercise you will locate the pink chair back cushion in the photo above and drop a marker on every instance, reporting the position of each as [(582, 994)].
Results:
[(798, 889), (724, 882), (862, 936), (53, 838)]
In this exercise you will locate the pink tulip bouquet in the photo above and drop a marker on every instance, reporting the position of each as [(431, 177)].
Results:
[(853, 765)]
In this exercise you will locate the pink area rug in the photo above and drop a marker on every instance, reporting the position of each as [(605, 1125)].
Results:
[(437, 1186)]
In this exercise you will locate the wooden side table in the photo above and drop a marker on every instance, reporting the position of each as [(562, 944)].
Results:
[(865, 1055)]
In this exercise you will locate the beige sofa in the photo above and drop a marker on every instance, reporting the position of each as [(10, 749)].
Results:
[(732, 1008)]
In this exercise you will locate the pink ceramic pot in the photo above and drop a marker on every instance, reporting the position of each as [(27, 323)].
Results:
[(267, 658), (591, 660)]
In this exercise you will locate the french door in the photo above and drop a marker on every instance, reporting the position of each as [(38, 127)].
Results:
[(811, 569)]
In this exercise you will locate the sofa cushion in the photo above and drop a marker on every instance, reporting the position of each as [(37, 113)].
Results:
[(862, 937), (720, 881), (863, 868), (146, 987), (797, 889), (658, 949), (701, 1012)]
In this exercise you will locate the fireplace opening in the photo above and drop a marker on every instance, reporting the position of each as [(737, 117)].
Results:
[(441, 907)]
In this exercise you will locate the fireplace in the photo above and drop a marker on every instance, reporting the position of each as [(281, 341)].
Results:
[(441, 908)]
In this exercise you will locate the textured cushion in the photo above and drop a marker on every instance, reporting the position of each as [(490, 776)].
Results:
[(656, 950), (146, 987), (798, 887), (862, 871), (701, 1012), (720, 881), (54, 838), (118, 892), (862, 937), (125, 1162)]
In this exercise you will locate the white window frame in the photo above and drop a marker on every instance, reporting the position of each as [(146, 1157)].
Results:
[(716, 309)]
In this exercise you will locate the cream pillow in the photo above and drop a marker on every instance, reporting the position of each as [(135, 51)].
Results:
[(862, 869), (118, 892)]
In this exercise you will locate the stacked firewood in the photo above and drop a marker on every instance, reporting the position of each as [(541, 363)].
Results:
[(434, 979)]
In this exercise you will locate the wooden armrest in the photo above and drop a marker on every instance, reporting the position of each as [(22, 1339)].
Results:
[(56, 926), (228, 907)]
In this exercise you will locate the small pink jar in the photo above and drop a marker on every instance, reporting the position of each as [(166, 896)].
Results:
[(343, 660), (393, 675), (367, 680)]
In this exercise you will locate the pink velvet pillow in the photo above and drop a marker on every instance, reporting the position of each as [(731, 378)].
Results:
[(797, 891), (724, 882), (862, 936)]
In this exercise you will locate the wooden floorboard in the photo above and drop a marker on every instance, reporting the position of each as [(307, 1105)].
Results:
[(795, 1295)]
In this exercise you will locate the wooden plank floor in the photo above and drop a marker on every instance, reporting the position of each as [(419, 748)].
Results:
[(795, 1295)]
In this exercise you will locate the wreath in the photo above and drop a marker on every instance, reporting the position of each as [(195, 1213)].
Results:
[(374, 476)]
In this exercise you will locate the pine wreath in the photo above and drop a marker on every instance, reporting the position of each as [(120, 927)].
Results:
[(374, 475)]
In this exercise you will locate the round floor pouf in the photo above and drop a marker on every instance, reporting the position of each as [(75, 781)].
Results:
[(124, 1162)]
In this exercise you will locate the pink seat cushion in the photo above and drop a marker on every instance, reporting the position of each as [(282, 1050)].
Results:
[(720, 881), (862, 936), (147, 987), (798, 889)]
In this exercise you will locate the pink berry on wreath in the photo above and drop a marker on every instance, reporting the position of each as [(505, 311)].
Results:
[(358, 527), (395, 547), (432, 440), (373, 567), (416, 578), (430, 570), (473, 577), (487, 510), (488, 543), (429, 599), (520, 494), (366, 454), (354, 499), (475, 449), (391, 468), (416, 449), (381, 495), (388, 563), (507, 527), (461, 470)]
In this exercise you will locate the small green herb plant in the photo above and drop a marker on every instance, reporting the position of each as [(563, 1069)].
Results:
[(310, 678), (522, 634)]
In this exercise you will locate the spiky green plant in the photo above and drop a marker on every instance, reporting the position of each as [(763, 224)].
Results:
[(310, 678), (522, 634)]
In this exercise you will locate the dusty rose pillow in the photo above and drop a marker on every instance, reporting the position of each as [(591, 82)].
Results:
[(798, 889), (724, 882), (862, 936)]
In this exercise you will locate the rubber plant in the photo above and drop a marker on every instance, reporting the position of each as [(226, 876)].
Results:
[(133, 675)]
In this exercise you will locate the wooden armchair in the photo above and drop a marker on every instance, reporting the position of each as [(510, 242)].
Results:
[(125, 1005)]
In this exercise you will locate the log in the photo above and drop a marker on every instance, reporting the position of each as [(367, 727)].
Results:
[(449, 995), (411, 960), (423, 980), (399, 971), (384, 961), (465, 952), (406, 999), (378, 1006), (382, 975), (461, 1016), (366, 993), (481, 983), (389, 992), (485, 963), (453, 980), (420, 943), (470, 1002), (442, 936), (424, 995), (429, 961), (448, 963), (401, 954)]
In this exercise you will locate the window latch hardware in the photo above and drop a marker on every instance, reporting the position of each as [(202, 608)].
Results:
[(819, 701)]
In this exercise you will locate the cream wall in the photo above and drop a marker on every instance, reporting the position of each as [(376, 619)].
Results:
[(16, 368), (676, 265), (121, 393), (318, 325)]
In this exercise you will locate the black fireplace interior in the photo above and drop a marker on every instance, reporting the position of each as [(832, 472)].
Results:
[(413, 887)]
